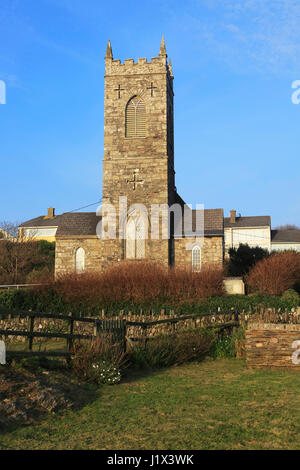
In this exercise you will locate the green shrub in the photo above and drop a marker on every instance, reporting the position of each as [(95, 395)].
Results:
[(229, 345), (19, 259), (49, 301), (224, 347), (103, 372), (291, 297), (243, 258)]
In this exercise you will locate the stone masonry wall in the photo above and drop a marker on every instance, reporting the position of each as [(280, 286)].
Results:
[(273, 346), (261, 320), (65, 254), (211, 252), (150, 159)]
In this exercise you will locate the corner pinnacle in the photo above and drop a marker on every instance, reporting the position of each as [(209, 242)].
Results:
[(162, 51), (109, 54)]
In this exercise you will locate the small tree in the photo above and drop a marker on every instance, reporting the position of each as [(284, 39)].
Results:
[(287, 227), (243, 258), (25, 261), (10, 229)]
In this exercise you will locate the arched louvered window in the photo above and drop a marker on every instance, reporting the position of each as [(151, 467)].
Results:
[(80, 260), (135, 118), (196, 259)]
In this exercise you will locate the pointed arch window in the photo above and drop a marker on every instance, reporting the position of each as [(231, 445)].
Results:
[(80, 260), (135, 237), (135, 118), (196, 259)]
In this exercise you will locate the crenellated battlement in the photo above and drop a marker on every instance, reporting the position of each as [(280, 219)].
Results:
[(141, 66)]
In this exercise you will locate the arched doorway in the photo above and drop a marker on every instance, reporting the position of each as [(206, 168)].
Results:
[(135, 237)]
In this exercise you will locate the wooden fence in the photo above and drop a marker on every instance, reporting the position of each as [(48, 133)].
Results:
[(116, 329), (31, 334), (18, 286)]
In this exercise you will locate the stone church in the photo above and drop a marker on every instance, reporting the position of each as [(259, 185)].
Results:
[(138, 165)]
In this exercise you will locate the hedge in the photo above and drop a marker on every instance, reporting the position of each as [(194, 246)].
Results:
[(51, 302)]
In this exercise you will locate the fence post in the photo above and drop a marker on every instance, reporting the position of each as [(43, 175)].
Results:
[(124, 331), (97, 328), (70, 340), (31, 328)]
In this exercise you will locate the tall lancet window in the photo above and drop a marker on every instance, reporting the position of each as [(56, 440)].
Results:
[(135, 237), (196, 259), (135, 118), (80, 260)]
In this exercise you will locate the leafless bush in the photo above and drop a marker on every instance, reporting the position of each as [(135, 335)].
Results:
[(174, 349), (140, 282), (275, 274), (86, 356)]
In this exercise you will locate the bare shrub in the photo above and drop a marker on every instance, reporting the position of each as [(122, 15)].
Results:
[(275, 274), (140, 282), (26, 261), (287, 227), (98, 361), (175, 349)]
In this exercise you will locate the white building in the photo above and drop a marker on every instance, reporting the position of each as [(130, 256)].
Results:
[(253, 231), (256, 231), (285, 240)]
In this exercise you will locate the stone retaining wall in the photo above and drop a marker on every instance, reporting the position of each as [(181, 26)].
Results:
[(273, 346), (62, 326)]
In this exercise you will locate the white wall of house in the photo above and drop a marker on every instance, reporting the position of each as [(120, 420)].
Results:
[(254, 236), (285, 246), (39, 232)]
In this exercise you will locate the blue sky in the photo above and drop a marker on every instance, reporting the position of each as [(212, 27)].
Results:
[(236, 129)]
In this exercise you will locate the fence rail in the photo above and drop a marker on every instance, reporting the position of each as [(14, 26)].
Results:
[(116, 328), (18, 286), (31, 334)]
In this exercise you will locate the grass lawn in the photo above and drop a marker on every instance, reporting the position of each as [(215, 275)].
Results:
[(50, 345), (210, 405)]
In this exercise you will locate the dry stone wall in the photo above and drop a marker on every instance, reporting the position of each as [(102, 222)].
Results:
[(273, 346)]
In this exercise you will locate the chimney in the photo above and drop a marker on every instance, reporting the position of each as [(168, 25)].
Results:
[(51, 213), (232, 217)]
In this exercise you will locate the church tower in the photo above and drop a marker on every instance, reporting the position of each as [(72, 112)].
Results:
[(138, 150)]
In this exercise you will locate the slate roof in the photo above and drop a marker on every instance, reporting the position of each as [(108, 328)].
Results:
[(78, 223), (85, 223), (244, 222), (213, 222), (42, 221), (285, 236), (68, 224)]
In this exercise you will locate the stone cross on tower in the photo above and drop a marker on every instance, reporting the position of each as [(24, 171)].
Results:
[(119, 89), (151, 88), (135, 181)]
